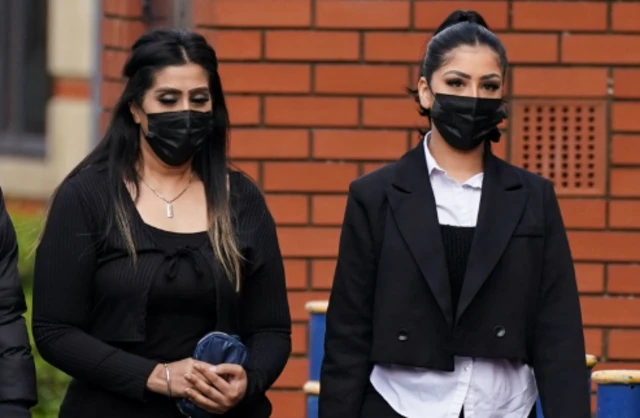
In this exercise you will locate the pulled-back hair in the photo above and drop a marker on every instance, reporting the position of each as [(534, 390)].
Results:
[(462, 27)]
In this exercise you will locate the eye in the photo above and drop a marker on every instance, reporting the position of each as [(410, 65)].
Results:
[(455, 82), (167, 100), (491, 86), (200, 99)]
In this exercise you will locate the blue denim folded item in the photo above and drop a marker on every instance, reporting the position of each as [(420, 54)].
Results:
[(214, 348)]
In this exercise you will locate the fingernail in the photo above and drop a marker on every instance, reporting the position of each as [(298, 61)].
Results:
[(187, 376), (188, 392), (213, 369), (197, 366)]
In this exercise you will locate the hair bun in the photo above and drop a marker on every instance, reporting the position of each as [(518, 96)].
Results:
[(460, 16)]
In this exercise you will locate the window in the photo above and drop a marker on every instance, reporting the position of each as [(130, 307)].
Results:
[(24, 82)]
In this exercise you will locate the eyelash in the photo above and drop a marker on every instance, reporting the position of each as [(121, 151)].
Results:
[(456, 82), (196, 100)]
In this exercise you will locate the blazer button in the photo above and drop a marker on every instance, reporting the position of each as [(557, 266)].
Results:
[(500, 331), (403, 336)]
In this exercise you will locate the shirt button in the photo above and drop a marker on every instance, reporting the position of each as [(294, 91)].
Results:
[(403, 336), (466, 368), (499, 331)]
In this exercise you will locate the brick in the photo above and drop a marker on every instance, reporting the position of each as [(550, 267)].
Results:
[(430, 14), (71, 88), (249, 143), (593, 341), (625, 116), (311, 111), (328, 210), (605, 246), (623, 278), (289, 209), (232, 44), (368, 168), (625, 16), (250, 168), (312, 46), (287, 404), (625, 149), (624, 214), (297, 301), (294, 375), (308, 176), (559, 82), (308, 242), (358, 144), (625, 83), (299, 338), (583, 213), (530, 48), (623, 345), (362, 14), (322, 272), (361, 79), (601, 49), (610, 311), (113, 62), (122, 8), (392, 113), (110, 92), (395, 47), (552, 15), (243, 110), (121, 33), (252, 13), (624, 182), (590, 277), (265, 78), (296, 273)]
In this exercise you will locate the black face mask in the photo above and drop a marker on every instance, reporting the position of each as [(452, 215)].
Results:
[(175, 137), (466, 122)]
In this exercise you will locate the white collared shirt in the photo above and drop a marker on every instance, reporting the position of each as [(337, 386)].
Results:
[(487, 388)]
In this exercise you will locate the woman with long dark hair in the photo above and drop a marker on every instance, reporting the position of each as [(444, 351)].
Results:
[(455, 293), (150, 242)]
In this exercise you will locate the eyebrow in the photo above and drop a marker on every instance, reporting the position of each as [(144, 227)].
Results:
[(468, 77), (163, 90)]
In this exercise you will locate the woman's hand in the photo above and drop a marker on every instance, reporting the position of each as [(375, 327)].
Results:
[(225, 386), (177, 371)]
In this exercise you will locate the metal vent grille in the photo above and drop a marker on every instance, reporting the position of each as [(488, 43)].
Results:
[(562, 141)]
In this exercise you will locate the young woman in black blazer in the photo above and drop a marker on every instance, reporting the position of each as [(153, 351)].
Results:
[(150, 241), (454, 293)]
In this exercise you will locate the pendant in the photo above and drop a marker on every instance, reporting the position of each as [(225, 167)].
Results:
[(169, 210)]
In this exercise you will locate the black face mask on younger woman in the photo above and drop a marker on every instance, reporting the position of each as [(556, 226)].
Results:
[(175, 137), (466, 122)]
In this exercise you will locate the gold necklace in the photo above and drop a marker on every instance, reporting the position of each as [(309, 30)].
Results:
[(167, 201)]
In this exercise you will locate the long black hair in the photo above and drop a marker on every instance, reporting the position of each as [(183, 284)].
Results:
[(120, 147)]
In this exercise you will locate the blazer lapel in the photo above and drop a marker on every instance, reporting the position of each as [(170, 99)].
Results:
[(414, 211), (501, 206)]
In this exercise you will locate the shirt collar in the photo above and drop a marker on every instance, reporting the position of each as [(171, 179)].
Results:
[(433, 167)]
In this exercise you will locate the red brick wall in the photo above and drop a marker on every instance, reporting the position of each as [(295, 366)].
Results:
[(316, 96)]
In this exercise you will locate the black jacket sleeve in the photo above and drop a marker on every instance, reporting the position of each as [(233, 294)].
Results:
[(558, 346), (266, 319), (17, 370), (346, 364), (62, 303)]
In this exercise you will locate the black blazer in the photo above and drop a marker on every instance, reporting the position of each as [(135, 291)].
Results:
[(17, 369), (391, 303)]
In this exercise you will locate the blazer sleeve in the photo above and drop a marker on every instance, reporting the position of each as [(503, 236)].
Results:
[(346, 364), (17, 370), (62, 303), (558, 344)]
